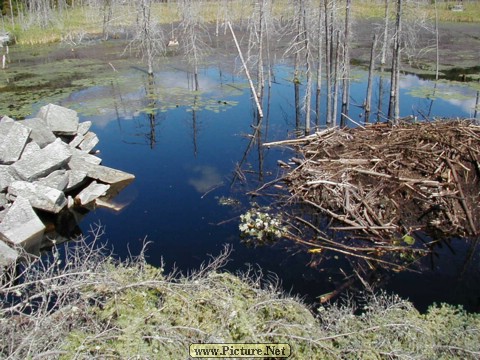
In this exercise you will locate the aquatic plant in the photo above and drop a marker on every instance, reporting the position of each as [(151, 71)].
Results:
[(260, 225)]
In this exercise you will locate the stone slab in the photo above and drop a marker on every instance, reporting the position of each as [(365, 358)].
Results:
[(100, 172), (8, 256), (58, 180), (61, 121), (40, 196), (21, 225), (30, 148), (79, 154), (6, 119), (75, 179), (40, 163), (76, 141), (7, 176), (41, 132), (91, 192), (83, 127), (13, 143), (89, 142)]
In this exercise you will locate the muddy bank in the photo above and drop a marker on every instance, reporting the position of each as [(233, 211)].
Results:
[(30, 77), (459, 48)]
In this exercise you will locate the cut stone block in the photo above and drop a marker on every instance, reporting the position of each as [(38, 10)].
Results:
[(76, 141), (13, 143), (30, 148), (83, 127), (40, 196), (40, 163), (7, 176), (21, 225), (41, 132), (89, 142), (6, 119), (91, 192), (75, 179), (99, 172), (5, 127), (79, 154), (3, 203), (58, 180), (8, 256), (61, 121)]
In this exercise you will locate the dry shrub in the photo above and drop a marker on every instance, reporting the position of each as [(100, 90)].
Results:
[(89, 306)]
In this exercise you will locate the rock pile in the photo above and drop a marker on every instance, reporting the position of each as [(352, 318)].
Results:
[(47, 166)]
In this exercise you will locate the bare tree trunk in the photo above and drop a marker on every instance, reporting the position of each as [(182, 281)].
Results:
[(368, 100), (328, 60), (308, 71), (336, 79), (296, 88), (260, 75), (380, 95), (436, 42), (346, 66), (477, 104), (394, 104), (385, 34), (319, 68), (12, 18)]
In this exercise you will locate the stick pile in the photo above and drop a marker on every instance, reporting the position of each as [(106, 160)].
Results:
[(387, 182)]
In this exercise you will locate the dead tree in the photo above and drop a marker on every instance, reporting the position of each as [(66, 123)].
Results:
[(394, 103), (148, 40), (193, 30), (346, 65), (368, 98)]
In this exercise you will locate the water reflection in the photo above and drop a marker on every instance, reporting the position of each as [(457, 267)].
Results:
[(206, 178), (196, 147)]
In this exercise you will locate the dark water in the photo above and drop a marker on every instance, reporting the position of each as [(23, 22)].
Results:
[(184, 161)]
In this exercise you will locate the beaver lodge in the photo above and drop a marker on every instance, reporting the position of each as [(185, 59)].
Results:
[(389, 193)]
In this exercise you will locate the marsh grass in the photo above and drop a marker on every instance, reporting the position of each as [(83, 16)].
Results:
[(86, 305)]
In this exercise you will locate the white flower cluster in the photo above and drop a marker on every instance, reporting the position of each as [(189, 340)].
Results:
[(261, 225)]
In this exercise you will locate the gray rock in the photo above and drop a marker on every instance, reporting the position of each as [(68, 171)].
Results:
[(40, 163), (91, 192), (58, 180), (62, 121), (99, 172), (8, 256), (21, 225), (89, 142), (7, 176), (3, 203), (83, 127), (76, 141), (79, 154), (13, 143), (6, 119), (40, 196), (30, 148), (41, 132), (75, 179)]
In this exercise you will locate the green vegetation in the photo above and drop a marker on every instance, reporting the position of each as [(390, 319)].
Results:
[(91, 306)]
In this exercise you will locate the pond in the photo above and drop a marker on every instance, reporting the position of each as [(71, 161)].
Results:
[(194, 160)]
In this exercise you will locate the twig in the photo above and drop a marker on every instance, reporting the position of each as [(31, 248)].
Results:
[(462, 198)]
